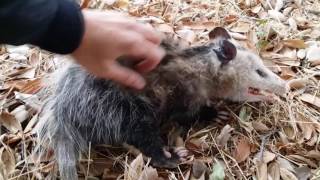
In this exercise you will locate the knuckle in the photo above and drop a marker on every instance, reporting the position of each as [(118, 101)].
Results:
[(131, 42)]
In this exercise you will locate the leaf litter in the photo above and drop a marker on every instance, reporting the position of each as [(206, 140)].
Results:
[(285, 33)]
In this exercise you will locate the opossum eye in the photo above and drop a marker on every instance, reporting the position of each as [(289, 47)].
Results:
[(261, 73), (219, 32), (226, 51)]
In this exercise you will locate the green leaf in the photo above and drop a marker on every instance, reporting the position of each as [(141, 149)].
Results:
[(217, 172), (245, 113), (262, 44)]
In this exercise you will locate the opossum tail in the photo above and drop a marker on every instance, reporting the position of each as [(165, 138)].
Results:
[(66, 157), (60, 137)]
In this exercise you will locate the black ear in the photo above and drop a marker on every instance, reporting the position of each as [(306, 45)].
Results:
[(219, 32), (226, 51)]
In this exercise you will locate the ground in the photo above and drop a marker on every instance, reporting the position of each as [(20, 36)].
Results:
[(278, 140)]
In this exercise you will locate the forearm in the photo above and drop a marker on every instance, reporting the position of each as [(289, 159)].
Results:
[(53, 25)]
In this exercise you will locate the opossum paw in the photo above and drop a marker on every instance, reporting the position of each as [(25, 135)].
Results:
[(222, 116), (170, 158)]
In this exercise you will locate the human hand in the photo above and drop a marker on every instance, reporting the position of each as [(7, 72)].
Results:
[(109, 35)]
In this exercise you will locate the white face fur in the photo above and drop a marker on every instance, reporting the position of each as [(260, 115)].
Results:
[(243, 76), (253, 80)]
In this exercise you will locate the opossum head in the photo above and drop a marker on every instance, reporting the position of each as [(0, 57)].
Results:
[(240, 73)]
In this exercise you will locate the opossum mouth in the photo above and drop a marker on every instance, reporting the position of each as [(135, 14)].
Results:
[(259, 92)]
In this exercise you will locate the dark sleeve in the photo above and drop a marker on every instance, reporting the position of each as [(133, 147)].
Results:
[(53, 25)]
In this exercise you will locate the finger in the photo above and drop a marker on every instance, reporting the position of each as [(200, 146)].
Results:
[(150, 53), (147, 32), (125, 76)]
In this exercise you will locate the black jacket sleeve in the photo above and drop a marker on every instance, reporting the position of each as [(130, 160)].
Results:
[(53, 25)]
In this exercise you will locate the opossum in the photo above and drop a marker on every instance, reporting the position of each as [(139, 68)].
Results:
[(86, 109)]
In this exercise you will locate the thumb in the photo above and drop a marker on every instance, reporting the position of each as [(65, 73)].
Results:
[(125, 76)]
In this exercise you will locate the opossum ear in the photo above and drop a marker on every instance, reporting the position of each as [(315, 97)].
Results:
[(219, 32), (226, 51)]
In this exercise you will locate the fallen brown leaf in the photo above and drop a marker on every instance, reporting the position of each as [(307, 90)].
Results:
[(7, 159), (287, 175), (259, 126), (262, 171), (10, 122), (302, 159), (274, 171), (242, 150), (294, 43), (268, 156), (310, 99)]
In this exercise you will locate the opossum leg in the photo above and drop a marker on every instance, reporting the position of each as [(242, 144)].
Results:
[(188, 118), (145, 136), (207, 114)]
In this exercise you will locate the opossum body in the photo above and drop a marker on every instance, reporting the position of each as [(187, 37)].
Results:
[(87, 109)]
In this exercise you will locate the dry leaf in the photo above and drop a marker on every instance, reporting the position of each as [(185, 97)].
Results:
[(29, 99), (306, 126), (31, 124), (302, 160), (225, 135), (242, 150), (297, 84), (34, 58), (274, 171), (32, 86), (262, 171), (238, 36), (314, 154), (198, 170), (123, 4), (294, 43), (259, 126), (292, 23), (17, 57), (315, 63), (313, 54), (256, 9), (287, 175), (10, 122), (230, 18), (30, 74), (241, 27), (7, 159), (276, 15), (27, 73), (20, 113), (109, 2), (201, 143), (268, 156), (149, 173), (289, 132), (283, 163), (134, 170), (23, 49), (310, 99), (287, 73)]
